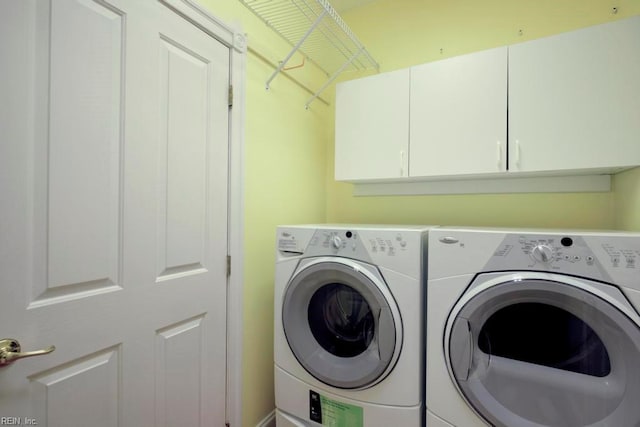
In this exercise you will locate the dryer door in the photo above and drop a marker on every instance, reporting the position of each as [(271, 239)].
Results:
[(536, 349), (341, 322)]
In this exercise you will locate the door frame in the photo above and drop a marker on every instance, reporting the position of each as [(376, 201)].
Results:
[(235, 40)]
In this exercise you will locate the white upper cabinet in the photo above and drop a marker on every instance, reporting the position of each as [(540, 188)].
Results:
[(372, 127), (458, 115), (563, 105), (574, 100)]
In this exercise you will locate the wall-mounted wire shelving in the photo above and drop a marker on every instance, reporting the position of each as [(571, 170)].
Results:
[(313, 28)]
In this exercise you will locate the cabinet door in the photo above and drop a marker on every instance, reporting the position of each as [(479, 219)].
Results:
[(372, 127), (574, 99), (458, 122)]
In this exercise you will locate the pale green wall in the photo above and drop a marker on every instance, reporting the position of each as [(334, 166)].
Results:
[(401, 33), (626, 190), (284, 184)]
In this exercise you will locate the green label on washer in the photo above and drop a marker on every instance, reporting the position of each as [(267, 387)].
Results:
[(339, 414)]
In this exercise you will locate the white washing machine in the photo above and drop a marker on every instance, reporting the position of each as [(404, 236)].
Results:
[(533, 328), (349, 346)]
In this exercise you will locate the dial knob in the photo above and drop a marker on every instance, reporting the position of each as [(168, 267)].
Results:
[(542, 253), (336, 242)]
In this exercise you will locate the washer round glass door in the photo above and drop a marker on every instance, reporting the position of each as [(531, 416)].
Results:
[(341, 322), (545, 350)]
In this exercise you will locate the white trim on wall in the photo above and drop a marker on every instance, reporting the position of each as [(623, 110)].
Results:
[(269, 420), (235, 39), (236, 237)]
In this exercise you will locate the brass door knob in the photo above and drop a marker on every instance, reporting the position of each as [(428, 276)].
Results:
[(10, 351)]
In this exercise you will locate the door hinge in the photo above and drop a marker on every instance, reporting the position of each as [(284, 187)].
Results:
[(228, 265), (230, 99)]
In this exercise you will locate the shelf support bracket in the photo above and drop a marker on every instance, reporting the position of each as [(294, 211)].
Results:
[(333, 77), (296, 47)]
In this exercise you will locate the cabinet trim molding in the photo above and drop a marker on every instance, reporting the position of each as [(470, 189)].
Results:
[(562, 184)]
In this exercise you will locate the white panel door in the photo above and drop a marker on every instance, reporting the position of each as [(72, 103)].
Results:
[(574, 99), (113, 203), (458, 113), (372, 127)]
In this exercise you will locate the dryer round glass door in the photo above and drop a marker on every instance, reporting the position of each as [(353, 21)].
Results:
[(550, 350), (341, 322)]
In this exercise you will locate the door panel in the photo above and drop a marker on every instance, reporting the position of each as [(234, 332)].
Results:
[(79, 150), (184, 81), (113, 181), (185, 150), (85, 389), (179, 370)]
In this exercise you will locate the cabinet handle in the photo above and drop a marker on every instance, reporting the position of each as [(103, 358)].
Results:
[(401, 163), (499, 154), (518, 153)]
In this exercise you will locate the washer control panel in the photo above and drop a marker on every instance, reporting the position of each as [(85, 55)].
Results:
[(336, 242), (542, 253), (357, 243), (398, 249)]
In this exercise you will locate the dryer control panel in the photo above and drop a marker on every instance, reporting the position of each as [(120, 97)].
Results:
[(590, 255)]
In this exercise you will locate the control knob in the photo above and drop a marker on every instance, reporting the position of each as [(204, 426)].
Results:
[(542, 253), (336, 242)]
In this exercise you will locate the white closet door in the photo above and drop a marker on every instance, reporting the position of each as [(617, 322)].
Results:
[(113, 184)]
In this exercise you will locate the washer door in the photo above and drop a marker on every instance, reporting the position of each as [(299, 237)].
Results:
[(341, 322), (545, 350)]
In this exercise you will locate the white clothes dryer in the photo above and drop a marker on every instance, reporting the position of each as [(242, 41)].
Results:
[(349, 315), (533, 328)]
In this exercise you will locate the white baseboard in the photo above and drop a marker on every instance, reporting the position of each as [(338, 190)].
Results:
[(269, 420)]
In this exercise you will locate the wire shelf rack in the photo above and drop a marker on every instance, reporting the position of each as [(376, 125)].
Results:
[(315, 29)]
